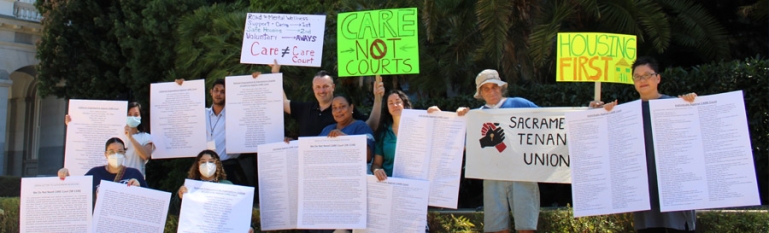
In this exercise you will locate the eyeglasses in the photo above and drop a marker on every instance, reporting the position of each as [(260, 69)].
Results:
[(396, 103), (643, 77), (112, 152)]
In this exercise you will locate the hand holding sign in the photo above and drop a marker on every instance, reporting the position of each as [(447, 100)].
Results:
[(379, 89), (275, 67)]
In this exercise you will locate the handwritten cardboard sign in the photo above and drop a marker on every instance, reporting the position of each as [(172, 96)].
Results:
[(378, 42), (595, 57), (295, 40)]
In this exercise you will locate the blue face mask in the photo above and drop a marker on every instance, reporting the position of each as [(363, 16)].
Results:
[(133, 121)]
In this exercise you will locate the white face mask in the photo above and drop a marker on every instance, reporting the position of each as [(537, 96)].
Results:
[(115, 160), (133, 121), (207, 169)]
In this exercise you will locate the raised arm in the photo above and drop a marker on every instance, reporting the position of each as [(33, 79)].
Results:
[(376, 110), (144, 152), (275, 68)]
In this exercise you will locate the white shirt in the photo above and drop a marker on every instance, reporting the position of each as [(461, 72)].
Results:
[(499, 104), (132, 159), (215, 130)]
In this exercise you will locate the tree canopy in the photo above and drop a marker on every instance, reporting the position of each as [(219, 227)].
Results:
[(115, 49)]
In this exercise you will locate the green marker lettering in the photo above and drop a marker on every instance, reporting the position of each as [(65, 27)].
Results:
[(384, 24), (406, 21)]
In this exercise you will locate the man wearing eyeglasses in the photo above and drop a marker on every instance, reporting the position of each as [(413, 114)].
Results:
[(646, 77)]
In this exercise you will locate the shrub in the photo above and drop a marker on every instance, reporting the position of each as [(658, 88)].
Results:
[(11, 186), (550, 220), (9, 219)]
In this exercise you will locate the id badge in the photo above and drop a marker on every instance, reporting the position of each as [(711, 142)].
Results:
[(211, 145)]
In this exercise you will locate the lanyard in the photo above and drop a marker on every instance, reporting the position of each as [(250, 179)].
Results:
[(213, 126)]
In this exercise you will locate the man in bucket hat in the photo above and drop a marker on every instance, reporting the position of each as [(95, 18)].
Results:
[(499, 196)]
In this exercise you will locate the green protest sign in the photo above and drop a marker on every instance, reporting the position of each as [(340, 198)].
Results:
[(378, 42)]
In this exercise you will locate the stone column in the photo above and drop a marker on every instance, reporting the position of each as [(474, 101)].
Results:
[(5, 85)]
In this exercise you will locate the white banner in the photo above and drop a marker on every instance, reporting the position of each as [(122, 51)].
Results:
[(178, 118), (332, 183), (294, 40), (278, 185), (703, 154), (49, 204), (93, 123), (396, 205), (122, 208), (215, 207), (254, 111), (608, 160), (518, 144), (431, 149)]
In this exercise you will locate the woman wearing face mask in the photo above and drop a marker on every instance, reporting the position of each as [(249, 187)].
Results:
[(207, 167), (139, 148), (140, 145), (114, 170)]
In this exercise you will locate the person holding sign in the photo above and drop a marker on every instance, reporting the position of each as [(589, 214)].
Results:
[(646, 77), (314, 116), (216, 136), (207, 167), (387, 134), (521, 197), (140, 147), (343, 109), (114, 170), (345, 124)]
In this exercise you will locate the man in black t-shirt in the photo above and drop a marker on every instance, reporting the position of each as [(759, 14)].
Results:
[(315, 115)]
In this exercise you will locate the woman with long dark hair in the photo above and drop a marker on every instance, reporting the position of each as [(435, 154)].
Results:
[(207, 167), (387, 133)]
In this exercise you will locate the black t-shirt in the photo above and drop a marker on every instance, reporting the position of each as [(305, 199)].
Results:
[(312, 120), (100, 173)]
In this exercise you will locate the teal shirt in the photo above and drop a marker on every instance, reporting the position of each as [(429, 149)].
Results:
[(386, 148)]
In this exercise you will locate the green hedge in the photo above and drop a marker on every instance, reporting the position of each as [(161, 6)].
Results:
[(550, 220), (11, 186)]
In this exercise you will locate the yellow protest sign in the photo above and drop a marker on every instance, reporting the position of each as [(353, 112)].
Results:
[(595, 57)]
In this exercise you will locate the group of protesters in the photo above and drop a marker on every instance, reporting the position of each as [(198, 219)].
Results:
[(336, 115)]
